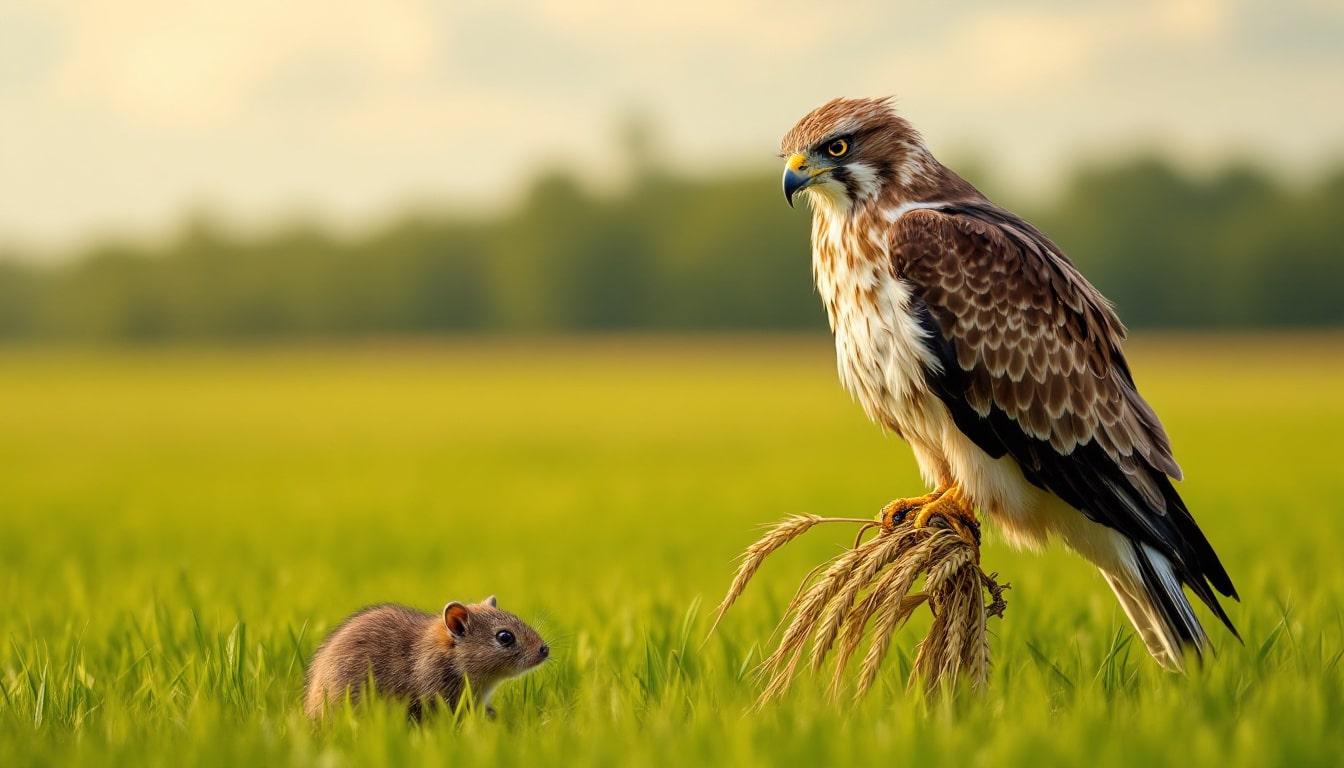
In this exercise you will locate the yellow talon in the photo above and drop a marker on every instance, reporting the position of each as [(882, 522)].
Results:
[(894, 514), (947, 502)]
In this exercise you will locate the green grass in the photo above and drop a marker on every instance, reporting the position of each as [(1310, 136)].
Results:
[(178, 528)]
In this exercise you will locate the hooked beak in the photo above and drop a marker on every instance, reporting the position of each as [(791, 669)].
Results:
[(797, 176)]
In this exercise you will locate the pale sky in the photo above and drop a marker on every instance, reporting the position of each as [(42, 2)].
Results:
[(122, 116)]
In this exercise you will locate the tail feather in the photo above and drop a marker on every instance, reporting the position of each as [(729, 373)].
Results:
[(1150, 591)]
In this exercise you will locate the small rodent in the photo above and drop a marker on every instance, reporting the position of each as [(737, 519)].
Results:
[(416, 656)]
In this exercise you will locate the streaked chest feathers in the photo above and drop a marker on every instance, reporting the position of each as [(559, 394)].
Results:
[(880, 347)]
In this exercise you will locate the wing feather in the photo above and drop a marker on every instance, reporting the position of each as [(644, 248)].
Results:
[(1033, 368)]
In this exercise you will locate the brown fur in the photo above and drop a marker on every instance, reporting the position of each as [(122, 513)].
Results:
[(417, 656)]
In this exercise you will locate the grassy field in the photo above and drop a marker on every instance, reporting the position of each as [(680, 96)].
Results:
[(179, 528)]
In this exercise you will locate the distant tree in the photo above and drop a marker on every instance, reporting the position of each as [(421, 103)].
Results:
[(1170, 248)]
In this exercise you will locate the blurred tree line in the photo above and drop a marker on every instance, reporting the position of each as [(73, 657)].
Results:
[(1171, 249)]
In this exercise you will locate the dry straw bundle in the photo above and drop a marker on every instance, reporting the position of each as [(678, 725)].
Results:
[(871, 584)]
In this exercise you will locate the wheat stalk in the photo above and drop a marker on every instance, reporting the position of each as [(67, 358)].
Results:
[(834, 611), (876, 555), (852, 632), (889, 615), (785, 531), (805, 616)]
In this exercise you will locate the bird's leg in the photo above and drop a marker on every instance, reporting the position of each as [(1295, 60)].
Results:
[(947, 501)]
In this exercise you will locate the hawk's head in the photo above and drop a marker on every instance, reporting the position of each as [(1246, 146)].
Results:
[(850, 150)]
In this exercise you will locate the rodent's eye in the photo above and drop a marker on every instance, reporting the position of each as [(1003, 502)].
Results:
[(504, 637), (837, 148)]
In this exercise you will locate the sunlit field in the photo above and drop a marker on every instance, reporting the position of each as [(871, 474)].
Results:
[(180, 527)]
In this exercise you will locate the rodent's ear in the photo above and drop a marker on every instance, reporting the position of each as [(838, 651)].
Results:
[(455, 617), (490, 601)]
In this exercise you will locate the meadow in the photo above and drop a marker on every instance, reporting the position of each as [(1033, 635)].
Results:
[(180, 526)]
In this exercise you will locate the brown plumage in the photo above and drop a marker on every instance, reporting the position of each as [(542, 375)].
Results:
[(417, 656), (965, 330)]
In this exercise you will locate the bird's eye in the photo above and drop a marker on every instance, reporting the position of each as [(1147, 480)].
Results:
[(837, 148), (504, 637)]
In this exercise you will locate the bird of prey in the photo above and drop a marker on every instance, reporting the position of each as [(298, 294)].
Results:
[(965, 330)]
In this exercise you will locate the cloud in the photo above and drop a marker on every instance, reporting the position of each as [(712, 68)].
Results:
[(188, 64), (126, 112)]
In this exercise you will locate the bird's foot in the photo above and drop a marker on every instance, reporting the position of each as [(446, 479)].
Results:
[(895, 513), (947, 502)]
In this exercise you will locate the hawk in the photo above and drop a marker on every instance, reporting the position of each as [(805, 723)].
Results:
[(966, 331)]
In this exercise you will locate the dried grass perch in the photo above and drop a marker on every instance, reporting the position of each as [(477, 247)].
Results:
[(871, 584)]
